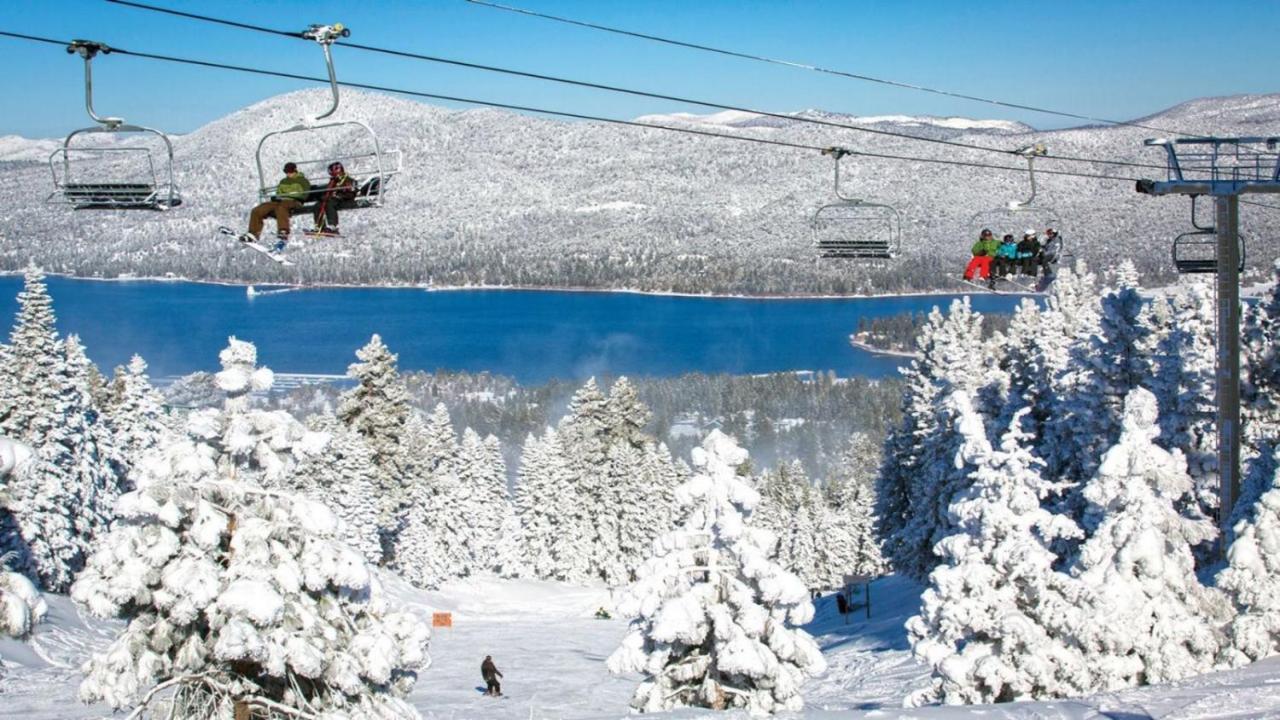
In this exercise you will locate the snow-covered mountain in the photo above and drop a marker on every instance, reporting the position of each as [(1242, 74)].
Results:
[(490, 197)]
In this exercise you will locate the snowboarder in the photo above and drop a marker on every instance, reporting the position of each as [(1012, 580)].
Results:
[(490, 673), (289, 196), (1029, 252), (341, 189), (983, 252)]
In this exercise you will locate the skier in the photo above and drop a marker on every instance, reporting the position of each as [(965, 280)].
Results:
[(490, 673), (1006, 256), (341, 189), (983, 252), (289, 196), (1029, 252)]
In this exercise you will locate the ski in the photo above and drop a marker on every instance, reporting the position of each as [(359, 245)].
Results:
[(277, 257)]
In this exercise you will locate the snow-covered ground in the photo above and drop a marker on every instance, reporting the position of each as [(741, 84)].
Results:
[(544, 639)]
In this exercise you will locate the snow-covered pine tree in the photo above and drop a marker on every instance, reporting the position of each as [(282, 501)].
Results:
[(647, 501), (64, 499), (711, 609), (31, 368), (1155, 621), (438, 537), (1105, 367), (378, 408), (1260, 370), (137, 413), (951, 356), (482, 485), (251, 444), (21, 604), (996, 620), (1184, 384), (239, 596), (585, 440), (846, 531), (343, 477), (537, 499), (1252, 576)]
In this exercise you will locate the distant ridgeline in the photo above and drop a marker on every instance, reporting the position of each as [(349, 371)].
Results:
[(493, 198)]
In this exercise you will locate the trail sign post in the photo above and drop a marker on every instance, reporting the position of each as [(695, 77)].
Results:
[(1224, 169)]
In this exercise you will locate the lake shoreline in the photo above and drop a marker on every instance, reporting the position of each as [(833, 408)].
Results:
[(507, 288)]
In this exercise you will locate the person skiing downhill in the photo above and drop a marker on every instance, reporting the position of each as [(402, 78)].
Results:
[(341, 189), (490, 673), (289, 196)]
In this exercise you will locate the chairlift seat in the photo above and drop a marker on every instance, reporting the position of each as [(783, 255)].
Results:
[(1196, 253), (119, 195)]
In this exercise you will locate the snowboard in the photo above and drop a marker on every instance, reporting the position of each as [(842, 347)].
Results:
[(277, 257)]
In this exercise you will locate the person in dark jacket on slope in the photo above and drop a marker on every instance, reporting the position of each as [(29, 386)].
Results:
[(490, 673)]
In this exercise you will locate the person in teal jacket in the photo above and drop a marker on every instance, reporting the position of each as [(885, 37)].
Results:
[(290, 193), (1006, 256)]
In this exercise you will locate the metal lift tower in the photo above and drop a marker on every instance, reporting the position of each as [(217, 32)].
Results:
[(1225, 169)]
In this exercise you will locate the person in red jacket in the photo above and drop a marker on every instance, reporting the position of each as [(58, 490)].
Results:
[(340, 190)]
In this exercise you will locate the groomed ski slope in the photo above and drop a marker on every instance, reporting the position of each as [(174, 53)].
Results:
[(544, 639)]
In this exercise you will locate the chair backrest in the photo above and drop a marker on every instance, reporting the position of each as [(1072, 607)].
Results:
[(371, 188)]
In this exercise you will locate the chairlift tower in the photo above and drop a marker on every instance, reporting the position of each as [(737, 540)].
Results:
[(1224, 169)]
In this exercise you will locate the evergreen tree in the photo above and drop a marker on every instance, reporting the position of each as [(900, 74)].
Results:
[(1156, 622), (1252, 576), (1184, 384), (950, 357), (996, 621), (537, 503), (64, 500), (1113, 361), (378, 408), (710, 608), (1260, 370), (137, 413), (242, 600), (343, 477)]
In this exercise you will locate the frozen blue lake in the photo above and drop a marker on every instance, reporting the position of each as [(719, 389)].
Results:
[(179, 327)]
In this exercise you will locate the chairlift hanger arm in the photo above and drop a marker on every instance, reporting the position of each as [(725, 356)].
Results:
[(88, 50), (325, 36)]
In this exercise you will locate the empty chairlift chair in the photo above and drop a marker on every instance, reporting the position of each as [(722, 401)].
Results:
[(128, 173), (361, 152), (1196, 252), (855, 229)]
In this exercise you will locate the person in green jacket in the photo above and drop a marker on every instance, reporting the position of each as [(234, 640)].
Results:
[(983, 252), (289, 196)]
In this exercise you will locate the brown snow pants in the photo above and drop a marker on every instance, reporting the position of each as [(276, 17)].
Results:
[(280, 208)]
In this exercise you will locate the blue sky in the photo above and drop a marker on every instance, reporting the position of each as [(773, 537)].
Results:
[(1117, 59)]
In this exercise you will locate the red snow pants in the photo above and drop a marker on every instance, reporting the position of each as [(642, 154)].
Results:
[(979, 266)]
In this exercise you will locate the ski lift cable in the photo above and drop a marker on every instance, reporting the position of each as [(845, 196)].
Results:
[(568, 114), (629, 91), (827, 71)]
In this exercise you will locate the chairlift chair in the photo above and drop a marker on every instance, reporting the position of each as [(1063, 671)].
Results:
[(122, 176), (370, 163), (1196, 251), (855, 229)]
